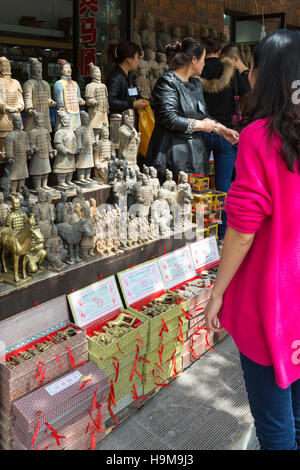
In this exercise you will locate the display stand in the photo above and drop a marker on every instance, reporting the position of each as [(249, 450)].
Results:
[(50, 285)]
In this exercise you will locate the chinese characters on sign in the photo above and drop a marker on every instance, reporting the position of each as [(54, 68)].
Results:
[(88, 34)]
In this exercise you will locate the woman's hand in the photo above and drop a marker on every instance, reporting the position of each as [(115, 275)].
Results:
[(229, 134), (206, 125), (211, 313), (140, 104)]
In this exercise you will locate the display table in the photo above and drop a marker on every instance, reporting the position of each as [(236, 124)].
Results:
[(50, 284)]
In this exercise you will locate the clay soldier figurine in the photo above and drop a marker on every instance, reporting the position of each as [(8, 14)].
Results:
[(96, 99), (56, 253), (61, 208), (152, 65), (112, 169), (160, 213), (37, 253), (79, 198), (100, 236), (162, 63), (42, 151), (85, 143), (51, 207), (4, 208), (17, 150), (184, 198), (129, 139), (133, 232), (143, 83), (146, 171), (88, 243), (26, 204), (176, 33), (123, 165), (154, 182), (66, 93), (130, 183), (119, 191), (42, 212), (148, 34), (163, 37), (66, 146), (144, 197), (136, 36), (105, 151), (37, 97), (169, 184), (16, 219), (94, 209), (11, 100), (138, 184), (143, 64), (71, 217)]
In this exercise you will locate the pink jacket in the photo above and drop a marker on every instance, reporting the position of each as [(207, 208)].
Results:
[(261, 308)]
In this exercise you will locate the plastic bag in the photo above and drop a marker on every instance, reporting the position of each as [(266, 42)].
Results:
[(146, 126)]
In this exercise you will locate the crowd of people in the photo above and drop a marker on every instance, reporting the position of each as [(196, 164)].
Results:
[(201, 104)]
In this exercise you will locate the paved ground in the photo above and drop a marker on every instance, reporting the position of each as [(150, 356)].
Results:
[(206, 408)]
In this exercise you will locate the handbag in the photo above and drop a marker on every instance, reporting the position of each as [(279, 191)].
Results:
[(146, 126)]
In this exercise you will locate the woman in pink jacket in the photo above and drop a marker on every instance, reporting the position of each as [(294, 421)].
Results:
[(256, 297)]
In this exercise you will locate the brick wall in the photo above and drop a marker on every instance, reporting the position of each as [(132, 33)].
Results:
[(210, 13)]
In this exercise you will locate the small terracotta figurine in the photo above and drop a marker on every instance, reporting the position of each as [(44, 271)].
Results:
[(17, 150), (72, 235), (79, 198), (119, 191), (85, 144), (152, 66), (136, 36), (66, 146), (37, 97), (112, 169), (37, 253), (88, 243), (143, 83), (144, 197), (4, 208), (169, 184), (96, 98), (148, 34), (154, 182), (42, 151), (129, 139), (160, 213), (105, 151), (184, 198), (162, 63), (163, 37), (61, 208)]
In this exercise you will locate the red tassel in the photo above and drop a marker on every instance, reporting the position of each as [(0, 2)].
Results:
[(134, 371), (72, 361), (160, 353), (164, 328), (93, 439), (55, 434), (187, 315), (95, 397), (58, 362), (117, 367), (165, 249), (136, 397), (119, 348), (37, 428), (84, 384)]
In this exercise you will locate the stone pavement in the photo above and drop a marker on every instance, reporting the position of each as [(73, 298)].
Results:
[(206, 408)]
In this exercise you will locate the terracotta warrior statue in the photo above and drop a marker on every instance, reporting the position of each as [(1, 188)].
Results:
[(136, 35), (160, 213), (184, 198), (37, 97), (17, 151), (66, 145), (4, 208), (144, 197), (119, 191), (170, 184), (96, 99), (105, 151), (79, 198), (163, 37), (16, 219), (11, 100), (66, 93), (154, 182), (85, 143), (152, 66), (61, 208), (37, 253), (112, 169), (42, 152), (56, 253), (88, 243), (148, 34), (129, 139), (162, 63), (71, 217), (143, 83)]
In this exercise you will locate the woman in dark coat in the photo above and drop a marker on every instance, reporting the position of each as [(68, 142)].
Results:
[(180, 114)]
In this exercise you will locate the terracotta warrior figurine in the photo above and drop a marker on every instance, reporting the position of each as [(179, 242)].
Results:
[(144, 197), (112, 169), (119, 191), (37, 97), (129, 139), (85, 143), (143, 83), (17, 150), (152, 66), (79, 198), (43, 213), (163, 37), (71, 217), (154, 182), (42, 151), (148, 34), (16, 219), (56, 253), (105, 151), (66, 146), (136, 35), (26, 203), (162, 63), (123, 166), (4, 208), (37, 253), (61, 208), (160, 213), (184, 198), (170, 184), (66, 93), (96, 99), (88, 243), (11, 100), (143, 64), (133, 232)]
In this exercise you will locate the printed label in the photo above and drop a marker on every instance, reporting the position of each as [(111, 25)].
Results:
[(177, 267), (64, 383), (205, 252)]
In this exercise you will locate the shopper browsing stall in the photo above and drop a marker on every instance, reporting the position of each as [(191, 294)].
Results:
[(180, 114), (256, 294)]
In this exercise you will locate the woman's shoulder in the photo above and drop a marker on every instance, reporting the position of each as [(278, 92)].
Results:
[(256, 128)]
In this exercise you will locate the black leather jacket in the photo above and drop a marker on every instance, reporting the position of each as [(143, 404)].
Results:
[(117, 87), (174, 102)]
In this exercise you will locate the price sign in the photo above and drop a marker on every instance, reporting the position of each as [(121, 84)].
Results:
[(205, 253)]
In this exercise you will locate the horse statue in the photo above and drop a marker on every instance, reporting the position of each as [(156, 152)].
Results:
[(72, 235), (18, 244)]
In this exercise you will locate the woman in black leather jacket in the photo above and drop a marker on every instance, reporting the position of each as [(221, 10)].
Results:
[(180, 114), (122, 90)]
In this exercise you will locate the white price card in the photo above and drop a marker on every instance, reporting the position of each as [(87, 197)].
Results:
[(205, 253), (177, 267)]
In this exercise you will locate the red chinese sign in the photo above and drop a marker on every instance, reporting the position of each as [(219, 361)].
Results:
[(88, 34)]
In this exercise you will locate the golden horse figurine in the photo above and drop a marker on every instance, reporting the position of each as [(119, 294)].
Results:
[(18, 243)]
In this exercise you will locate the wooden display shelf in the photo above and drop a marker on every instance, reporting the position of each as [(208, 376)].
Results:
[(50, 284)]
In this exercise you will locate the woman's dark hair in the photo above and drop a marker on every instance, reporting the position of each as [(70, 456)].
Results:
[(275, 96), (212, 46), (122, 51), (182, 53)]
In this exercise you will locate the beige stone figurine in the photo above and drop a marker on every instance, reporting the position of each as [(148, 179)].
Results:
[(96, 99)]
